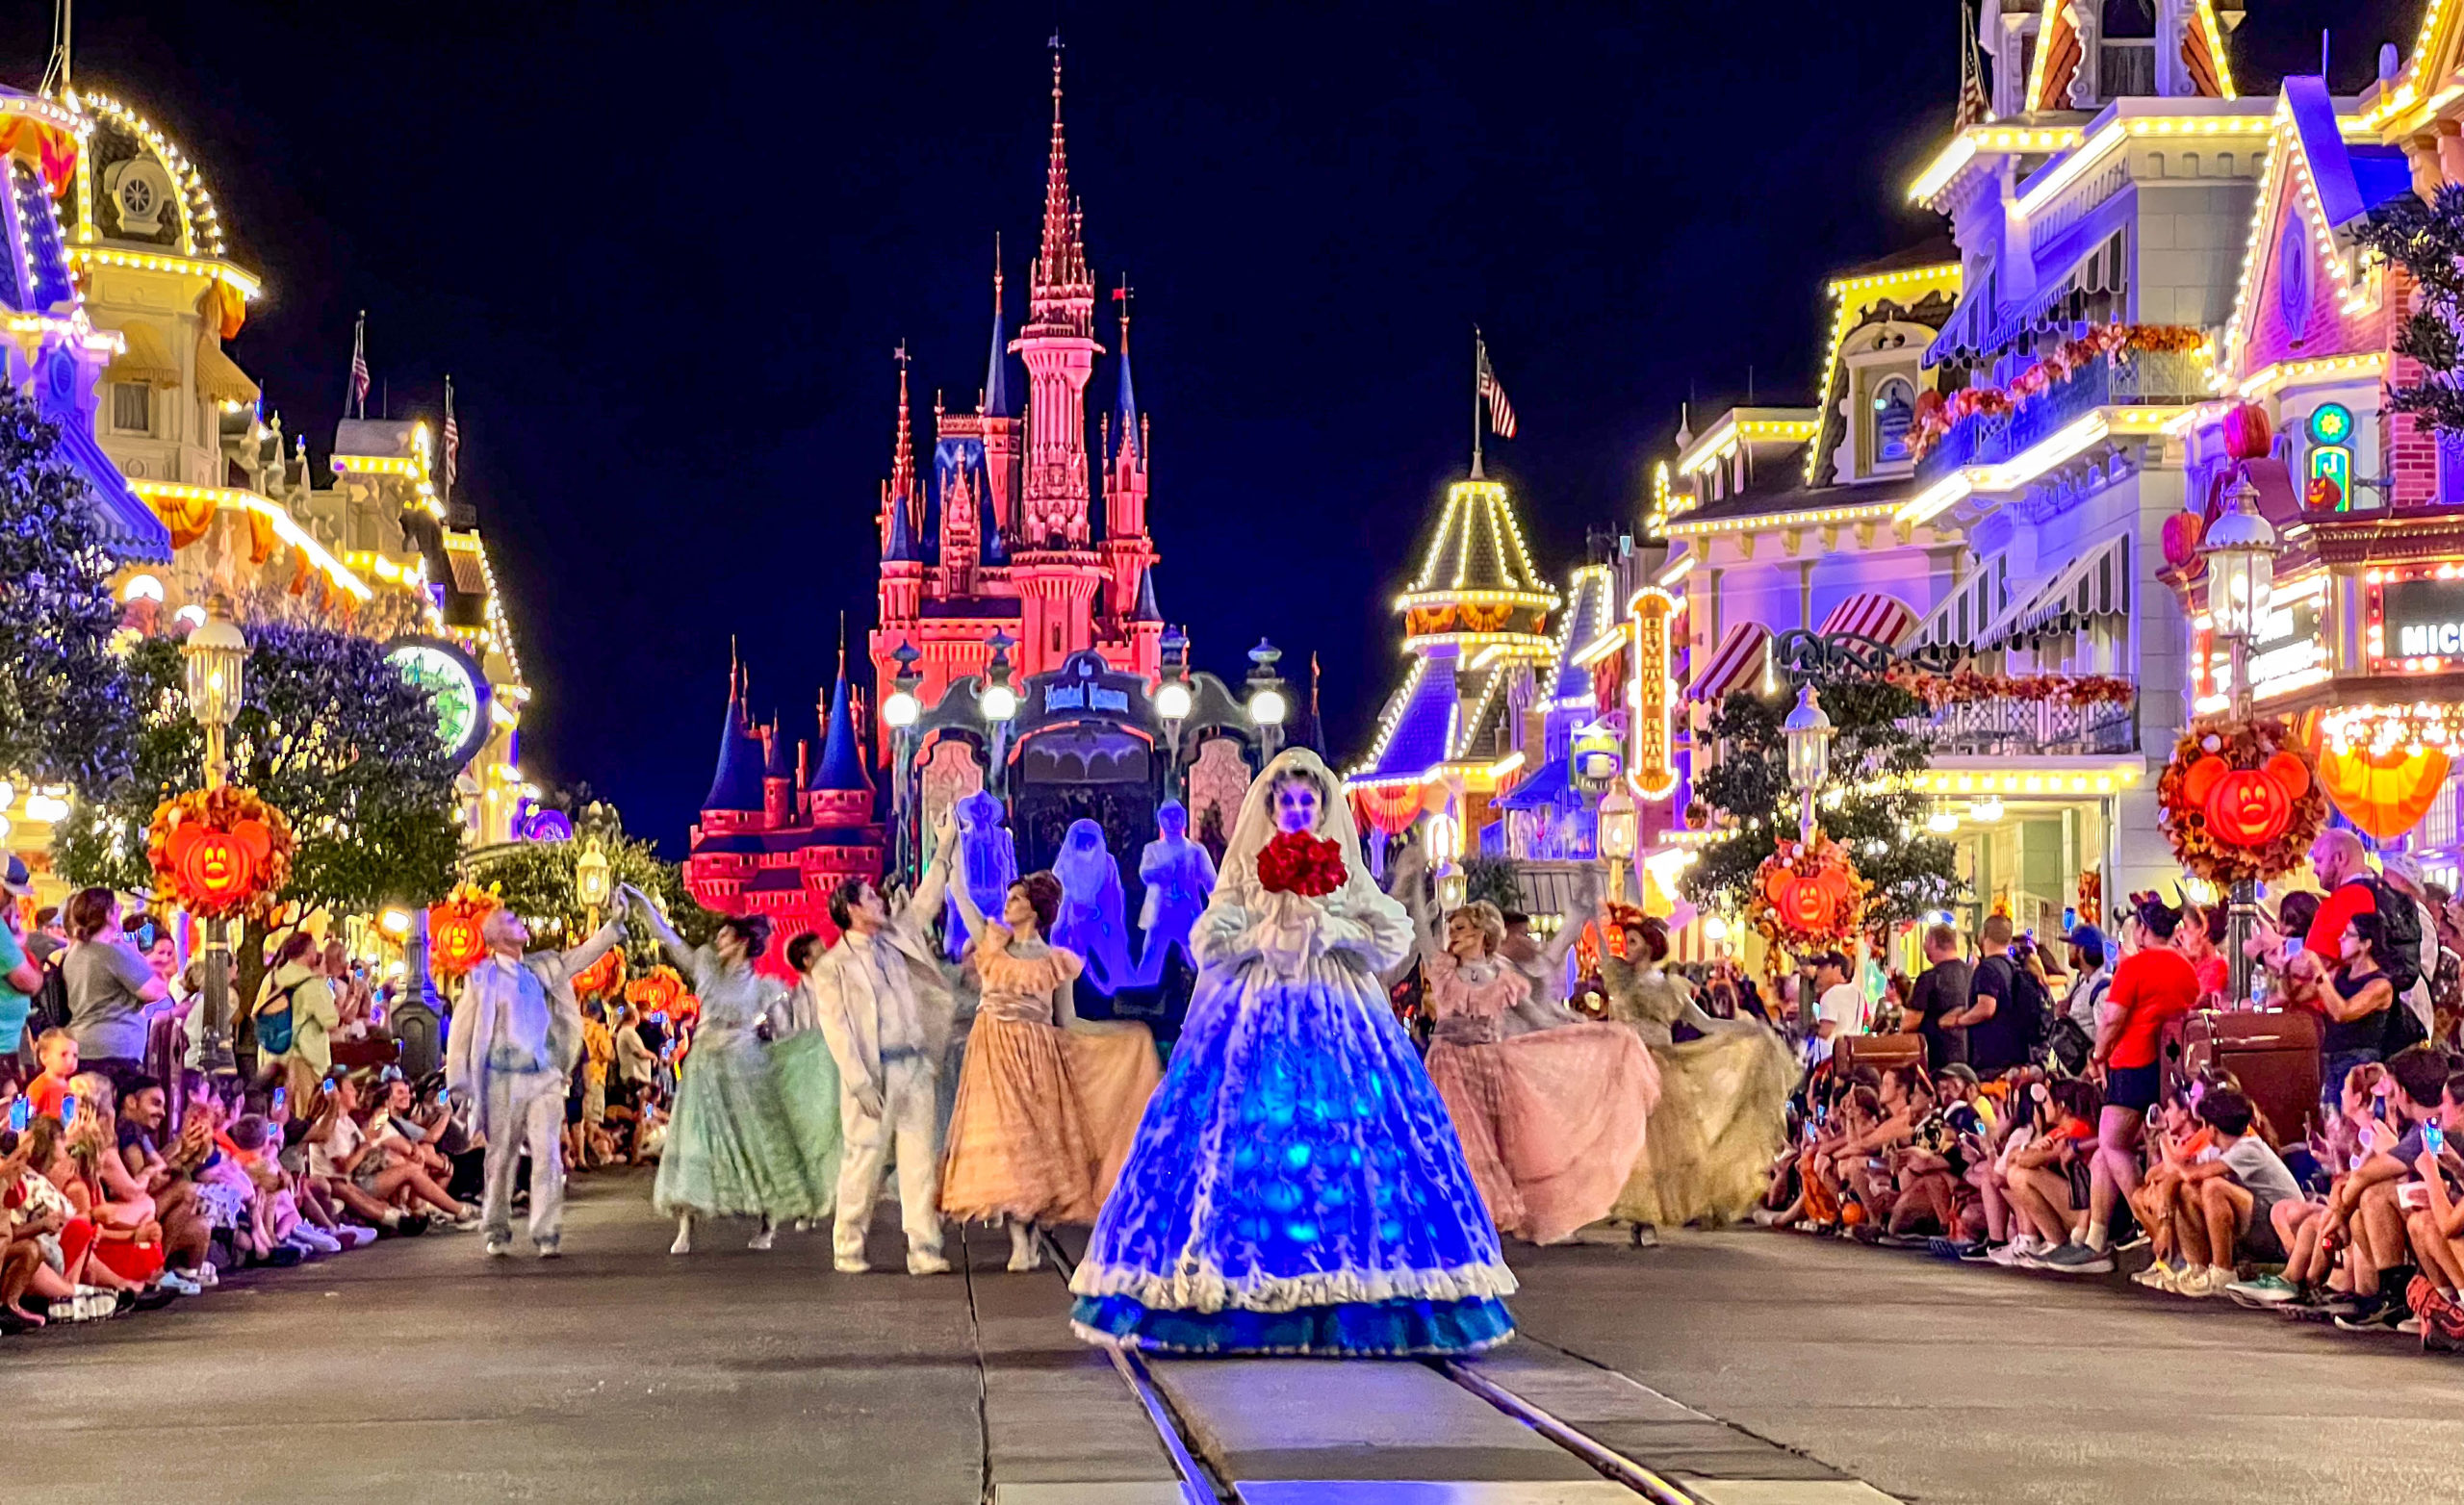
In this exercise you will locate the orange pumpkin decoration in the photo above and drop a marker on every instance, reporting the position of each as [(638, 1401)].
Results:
[(2248, 433), (456, 941), (220, 852), (2385, 794), (2238, 801), (659, 991), (601, 976)]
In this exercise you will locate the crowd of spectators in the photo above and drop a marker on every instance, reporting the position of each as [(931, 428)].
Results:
[(130, 1176), (2079, 1110)]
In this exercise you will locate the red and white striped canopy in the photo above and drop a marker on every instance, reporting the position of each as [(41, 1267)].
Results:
[(1734, 664), (1886, 619)]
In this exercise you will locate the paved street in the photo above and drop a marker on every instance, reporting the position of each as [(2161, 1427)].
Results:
[(622, 1374)]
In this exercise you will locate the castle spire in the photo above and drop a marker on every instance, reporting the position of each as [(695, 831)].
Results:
[(996, 370), (736, 782), (1061, 261), (902, 461), (842, 760), (1133, 441)]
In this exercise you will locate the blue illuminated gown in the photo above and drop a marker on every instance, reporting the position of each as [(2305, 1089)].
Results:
[(1295, 1186)]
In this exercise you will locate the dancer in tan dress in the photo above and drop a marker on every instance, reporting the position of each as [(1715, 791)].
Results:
[(1047, 1106)]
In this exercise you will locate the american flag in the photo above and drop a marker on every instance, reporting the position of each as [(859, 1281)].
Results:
[(359, 365), (452, 436), (1500, 411)]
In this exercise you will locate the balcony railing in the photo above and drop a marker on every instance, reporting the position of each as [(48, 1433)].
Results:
[(2007, 726), (2122, 380)]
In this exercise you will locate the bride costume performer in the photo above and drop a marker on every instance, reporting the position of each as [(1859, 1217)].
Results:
[(1552, 1119), (1028, 1144), (1090, 923), (733, 1150), (1179, 878), (989, 863), (1295, 1186), (1722, 1114)]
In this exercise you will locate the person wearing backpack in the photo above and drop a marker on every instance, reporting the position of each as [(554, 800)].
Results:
[(2400, 894), (2003, 1025), (296, 1015)]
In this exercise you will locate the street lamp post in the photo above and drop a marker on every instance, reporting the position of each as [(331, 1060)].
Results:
[(1267, 706), (2240, 554), (593, 883), (999, 704), (1620, 834), (1443, 840), (1809, 732), (900, 711), (1174, 703), (216, 658)]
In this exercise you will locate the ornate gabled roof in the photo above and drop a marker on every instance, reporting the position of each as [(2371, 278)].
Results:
[(1418, 732), (842, 760), (736, 785), (1478, 547)]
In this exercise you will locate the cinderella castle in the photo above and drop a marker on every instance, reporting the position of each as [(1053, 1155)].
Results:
[(1004, 540)]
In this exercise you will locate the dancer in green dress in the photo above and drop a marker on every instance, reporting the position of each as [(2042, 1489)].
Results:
[(809, 1074), (731, 1150)]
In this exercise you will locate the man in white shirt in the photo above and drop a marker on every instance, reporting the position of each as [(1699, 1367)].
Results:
[(886, 1009), (1840, 1007), (512, 1048)]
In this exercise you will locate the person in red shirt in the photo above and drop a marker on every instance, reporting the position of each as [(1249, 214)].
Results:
[(2336, 857), (2154, 983), (57, 1051)]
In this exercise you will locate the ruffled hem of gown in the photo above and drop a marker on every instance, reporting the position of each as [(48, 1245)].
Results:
[(1378, 1329), (1207, 1290)]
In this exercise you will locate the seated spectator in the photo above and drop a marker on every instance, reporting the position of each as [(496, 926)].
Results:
[(2433, 1228), (2339, 1145), (2365, 1204), (2042, 1169), (108, 985), (56, 1054), (366, 1174), (2357, 1000), (2199, 937), (2174, 1142), (2154, 985), (2225, 1202)]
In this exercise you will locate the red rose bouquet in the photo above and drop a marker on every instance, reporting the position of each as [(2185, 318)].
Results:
[(1296, 862)]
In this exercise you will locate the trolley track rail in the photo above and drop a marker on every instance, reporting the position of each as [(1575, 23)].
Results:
[(1203, 1485)]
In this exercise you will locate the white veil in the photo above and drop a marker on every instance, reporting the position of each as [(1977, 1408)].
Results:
[(1237, 881)]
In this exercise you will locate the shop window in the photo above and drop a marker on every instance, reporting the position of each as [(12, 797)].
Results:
[(1894, 414), (132, 407)]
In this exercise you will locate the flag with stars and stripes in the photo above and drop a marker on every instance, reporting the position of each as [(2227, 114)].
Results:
[(453, 437), (1500, 411), (358, 399)]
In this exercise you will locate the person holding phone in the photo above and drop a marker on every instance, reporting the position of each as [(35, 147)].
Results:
[(2434, 1227)]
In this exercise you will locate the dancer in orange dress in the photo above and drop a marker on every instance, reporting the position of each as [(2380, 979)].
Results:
[(1019, 1150), (1552, 1120)]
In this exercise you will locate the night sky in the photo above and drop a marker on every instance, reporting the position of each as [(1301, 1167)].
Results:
[(666, 252)]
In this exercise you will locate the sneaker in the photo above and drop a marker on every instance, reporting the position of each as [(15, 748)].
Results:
[(851, 1264), (1974, 1253), (551, 1250), (2267, 1290), (468, 1218), (2077, 1259), (1763, 1216), (2377, 1314), (173, 1280), (283, 1255), (918, 1264), (2340, 1304), (2410, 1327), (2160, 1276), (496, 1248), (413, 1224), (204, 1275), (2007, 1255), (2202, 1283)]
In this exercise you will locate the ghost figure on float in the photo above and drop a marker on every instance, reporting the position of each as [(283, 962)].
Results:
[(989, 863), (1180, 879), (1092, 923)]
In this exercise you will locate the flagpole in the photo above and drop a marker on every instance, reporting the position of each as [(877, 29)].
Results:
[(1479, 358)]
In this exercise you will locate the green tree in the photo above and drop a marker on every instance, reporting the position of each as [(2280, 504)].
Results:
[(66, 716), (329, 733), (1879, 818), (1494, 880), (538, 881), (2427, 239)]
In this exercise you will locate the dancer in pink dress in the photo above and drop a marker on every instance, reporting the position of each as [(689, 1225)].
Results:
[(1551, 1121)]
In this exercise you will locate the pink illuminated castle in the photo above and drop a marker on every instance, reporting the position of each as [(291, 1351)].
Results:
[(777, 833), (1004, 541)]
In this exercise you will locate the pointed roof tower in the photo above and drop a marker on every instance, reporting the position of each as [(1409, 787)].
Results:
[(776, 760), (996, 369), (843, 759), (1148, 610), (898, 492), (1125, 404), (1060, 277), (736, 785)]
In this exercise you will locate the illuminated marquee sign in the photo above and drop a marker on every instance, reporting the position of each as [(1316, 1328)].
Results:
[(1654, 763), (2415, 618)]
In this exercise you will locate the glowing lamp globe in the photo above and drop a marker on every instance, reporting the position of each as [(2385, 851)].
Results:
[(900, 710), (1808, 730), (1173, 701), (216, 657), (593, 881), (2240, 551), (1620, 826), (997, 701), (1267, 707)]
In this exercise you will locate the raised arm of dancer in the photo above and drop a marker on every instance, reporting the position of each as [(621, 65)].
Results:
[(578, 960), (974, 917), (1403, 884), (1588, 902), (930, 889), (678, 952)]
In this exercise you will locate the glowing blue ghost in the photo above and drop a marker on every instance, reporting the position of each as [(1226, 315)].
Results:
[(991, 859), (1092, 922), (1179, 877)]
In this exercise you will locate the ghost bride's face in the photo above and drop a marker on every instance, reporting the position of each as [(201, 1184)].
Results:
[(1296, 806)]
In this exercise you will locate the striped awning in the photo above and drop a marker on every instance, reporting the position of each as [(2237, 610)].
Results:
[(1871, 614), (2096, 584), (1960, 619), (1734, 664)]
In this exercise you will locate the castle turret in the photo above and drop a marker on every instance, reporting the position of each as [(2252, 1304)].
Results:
[(1058, 345), (736, 784), (778, 777), (842, 790), (1128, 554)]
